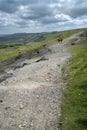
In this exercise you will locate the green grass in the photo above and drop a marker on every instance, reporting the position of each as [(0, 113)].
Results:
[(8, 53), (66, 34), (20, 47), (74, 108)]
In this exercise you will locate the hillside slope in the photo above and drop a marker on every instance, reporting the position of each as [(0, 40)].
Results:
[(31, 97)]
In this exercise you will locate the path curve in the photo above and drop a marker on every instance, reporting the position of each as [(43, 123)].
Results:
[(31, 98)]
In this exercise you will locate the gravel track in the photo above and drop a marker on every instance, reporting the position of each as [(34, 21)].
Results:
[(31, 98)]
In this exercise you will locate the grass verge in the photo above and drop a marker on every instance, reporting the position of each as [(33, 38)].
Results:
[(74, 108), (8, 53), (69, 33)]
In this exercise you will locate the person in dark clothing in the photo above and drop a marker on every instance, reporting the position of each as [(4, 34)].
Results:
[(60, 40)]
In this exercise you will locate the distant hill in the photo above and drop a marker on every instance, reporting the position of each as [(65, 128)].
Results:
[(16, 44), (26, 38), (19, 39), (15, 36)]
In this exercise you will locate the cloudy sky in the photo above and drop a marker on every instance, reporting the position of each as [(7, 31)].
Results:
[(42, 15)]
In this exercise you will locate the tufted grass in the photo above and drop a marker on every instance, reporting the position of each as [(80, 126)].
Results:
[(74, 107)]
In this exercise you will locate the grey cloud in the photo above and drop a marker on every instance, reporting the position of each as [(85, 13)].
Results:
[(78, 11), (8, 8), (43, 14), (49, 20), (22, 23), (11, 6), (37, 12), (26, 13), (52, 20), (75, 9), (80, 2)]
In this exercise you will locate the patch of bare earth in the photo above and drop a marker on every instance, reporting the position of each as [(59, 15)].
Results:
[(31, 98)]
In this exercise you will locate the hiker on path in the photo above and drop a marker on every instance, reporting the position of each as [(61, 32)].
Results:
[(60, 40)]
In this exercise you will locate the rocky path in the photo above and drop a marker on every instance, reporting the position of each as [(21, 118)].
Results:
[(31, 98)]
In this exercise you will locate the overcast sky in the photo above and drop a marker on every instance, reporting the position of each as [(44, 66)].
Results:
[(42, 15)]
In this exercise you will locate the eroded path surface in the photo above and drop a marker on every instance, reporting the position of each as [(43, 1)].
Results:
[(31, 98)]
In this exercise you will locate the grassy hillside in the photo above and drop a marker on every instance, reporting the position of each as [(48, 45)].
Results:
[(66, 34), (74, 108), (10, 48), (19, 39), (25, 38), (8, 53), (13, 45)]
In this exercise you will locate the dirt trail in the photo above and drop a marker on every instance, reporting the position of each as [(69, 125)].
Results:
[(31, 98), (74, 38)]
